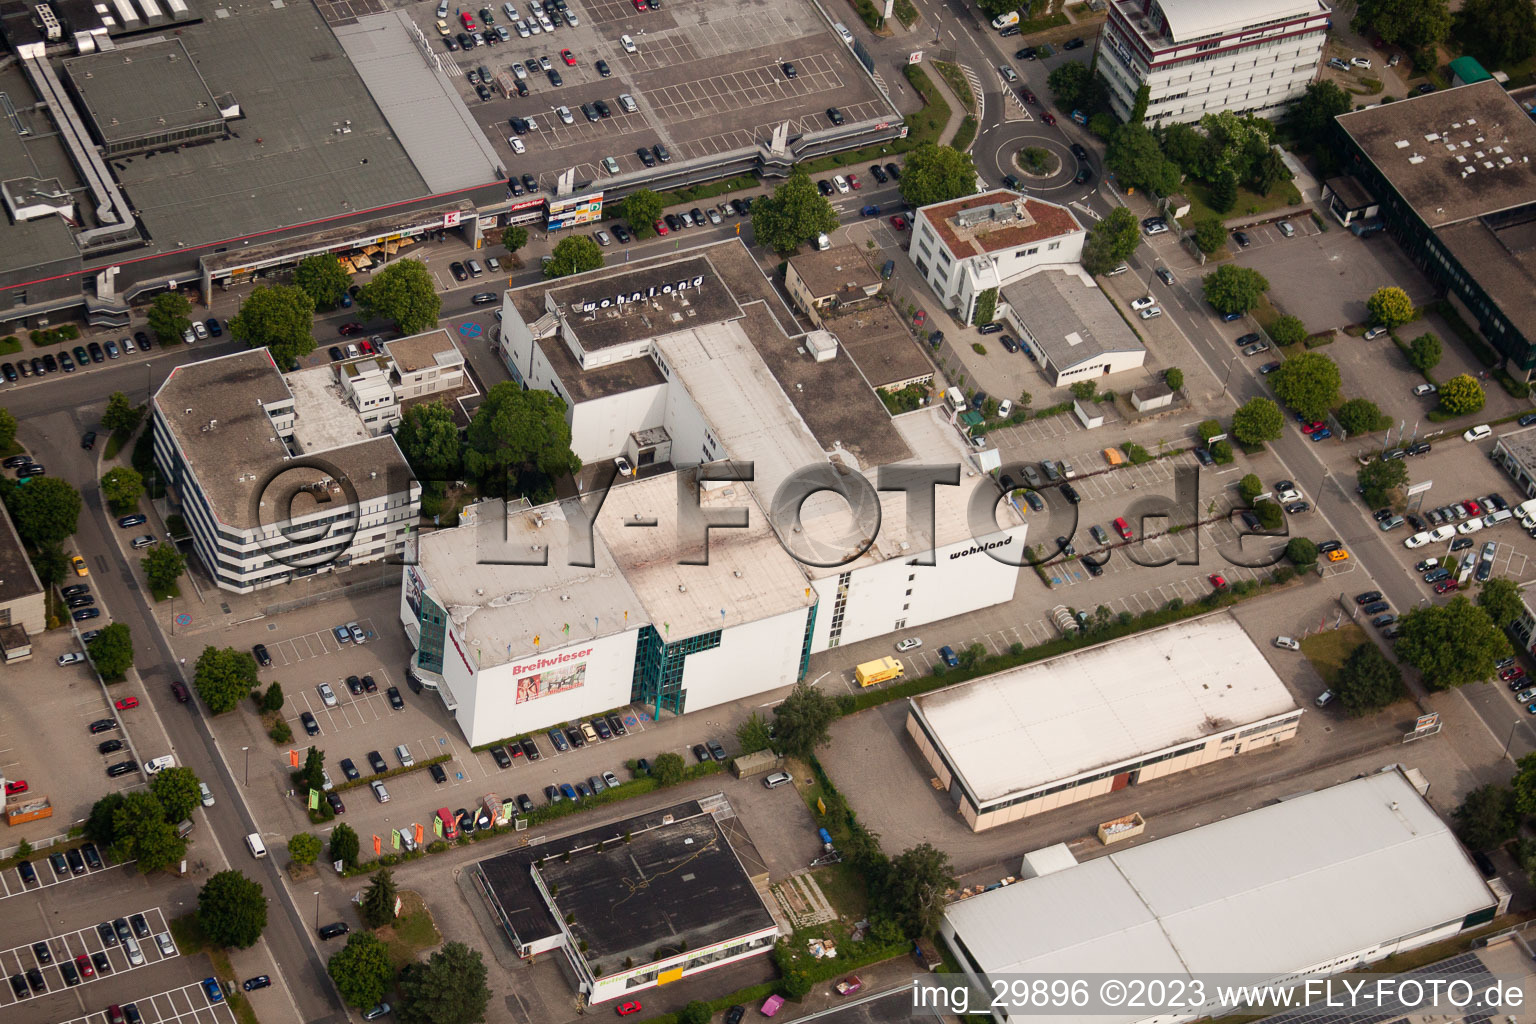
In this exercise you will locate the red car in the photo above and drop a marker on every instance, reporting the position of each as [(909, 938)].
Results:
[(1218, 581), (1048, 117), (920, 319), (1123, 527), (352, 328), (853, 181), (625, 1009), (1506, 674), (1445, 586), (1029, 97), (899, 223), (661, 227), (639, 5), (83, 965), (19, 786), (1313, 427), (570, 59), (127, 704), (1472, 507)]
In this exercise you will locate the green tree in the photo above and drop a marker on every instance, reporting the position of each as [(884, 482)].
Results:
[(111, 651), (1409, 23), (1382, 480), (1287, 330), (915, 888), (1234, 289), (1459, 396), (1138, 161), (696, 1012), (1424, 352), (272, 700), (177, 790), (121, 416), (1501, 599), (429, 439), (1524, 784), (753, 734), (101, 825), (362, 970), (1390, 307), (1111, 241), (312, 775), (1174, 378), (140, 832), (378, 906), (1269, 513), (279, 318), (642, 209), (514, 237), (321, 277), (405, 293), (168, 317), (1249, 487), (1310, 117), (986, 307), (304, 848), (50, 564), (1451, 644), (1300, 552), (122, 488), (163, 566), (1487, 818), (1223, 191), (803, 720), (517, 430), (1499, 33), (1269, 171), (668, 769), (1368, 681), (223, 676), (795, 212), (1209, 429), (232, 910), (574, 255), (7, 429), (344, 845), (1256, 421), (45, 510), (448, 989), (1307, 383), (1068, 81), (1361, 416), (1209, 235), (934, 174)]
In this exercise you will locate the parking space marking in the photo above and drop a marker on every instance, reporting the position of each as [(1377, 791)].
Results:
[(46, 876), (186, 1004), (83, 941)]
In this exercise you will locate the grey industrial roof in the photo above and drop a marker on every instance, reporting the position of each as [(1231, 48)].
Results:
[(142, 90), (1521, 445), (1070, 318), (1278, 889), (710, 302), (419, 102), (421, 351), (879, 342), (829, 271), (17, 578), (29, 245)]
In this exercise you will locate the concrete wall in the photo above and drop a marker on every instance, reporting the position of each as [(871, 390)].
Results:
[(488, 707), (752, 658)]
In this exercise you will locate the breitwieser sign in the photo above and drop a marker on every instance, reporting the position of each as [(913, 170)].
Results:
[(639, 295)]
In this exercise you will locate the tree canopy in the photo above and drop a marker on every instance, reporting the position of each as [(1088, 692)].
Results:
[(429, 439), (321, 277), (642, 209), (1287, 330), (1381, 480), (232, 910), (1068, 82), (1234, 289), (7, 429), (668, 769), (163, 566), (1256, 421), (141, 833), (915, 888), (803, 719), (362, 970), (1138, 161), (122, 487), (405, 293), (1409, 23), (934, 174), (280, 318), (1501, 599), (1390, 307), (1524, 784), (1451, 644), (344, 845), (304, 848), (516, 431), (177, 790), (1424, 352), (1499, 33), (168, 317), (1209, 235), (1487, 818), (574, 255), (1111, 241), (223, 676), (1462, 395), (514, 237), (111, 651), (1368, 681), (1361, 416), (121, 416), (46, 510), (449, 988), (1307, 383), (378, 906), (1310, 116), (794, 213)]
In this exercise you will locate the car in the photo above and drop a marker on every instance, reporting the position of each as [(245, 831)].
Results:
[(1154, 226), (103, 725), (626, 1008), (1241, 238), (1218, 581), (1322, 435), (92, 856), (35, 980), (376, 762), (71, 658), (716, 751), (568, 57), (1256, 348), (337, 807), (379, 792), (1145, 302), (948, 656), (439, 776), (327, 695), (349, 770), (83, 965), (1376, 607), (78, 564), (499, 755), (1368, 597), (260, 981), (126, 703), (1148, 314), (1360, 62), (878, 173), (835, 116), (83, 614), (788, 68), (1337, 64), (1445, 586), (1076, 43), (382, 1009), (311, 726), (1338, 555), (1418, 448), (1382, 621), (19, 986), (825, 187)]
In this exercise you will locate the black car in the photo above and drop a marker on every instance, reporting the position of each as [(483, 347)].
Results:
[(1070, 493), (50, 363), (334, 930), (103, 725), (672, 223), (97, 355), (1075, 43), (662, 153), (38, 367), (43, 954), (311, 726), (878, 173), (530, 183), (88, 441), (1065, 547), (530, 749), (893, 171), (349, 770), (1094, 568), (76, 862), (788, 69), (19, 985), (92, 856), (524, 804), (27, 871), (9, 370), (83, 601), (121, 768), (621, 233), (716, 750), (1368, 597), (602, 68), (824, 187), (59, 864), (1376, 607), (337, 807), (1383, 620), (71, 976), (438, 775), (66, 362), (835, 116), (336, 354), (1241, 238), (35, 980), (1084, 176), (1027, 53), (376, 762), (133, 520), (617, 725), (103, 965), (395, 700), (1417, 523), (262, 657), (602, 108), (1419, 448), (700, 753), (554, 78), (142, 340), (697, 215), (575, 738), (139, 925), (645, 156), (1524, 421), (499, 755), (457, 270), (260, 981), (354, 686)]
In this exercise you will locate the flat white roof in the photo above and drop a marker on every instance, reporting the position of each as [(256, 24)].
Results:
[(1276, 890), (1192, 19), (1054, 720), (325, 417)]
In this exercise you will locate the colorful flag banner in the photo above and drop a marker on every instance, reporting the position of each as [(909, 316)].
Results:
[(314, 799), (293, 759), (420, 834), (437, 826), (394, 838), (378, 846)]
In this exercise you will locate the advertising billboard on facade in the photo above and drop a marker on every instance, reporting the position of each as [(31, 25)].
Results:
[(552, 674), (570, 211)]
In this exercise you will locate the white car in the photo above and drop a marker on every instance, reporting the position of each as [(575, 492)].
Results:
[(1285, 643), (1470, 526), (1477, 433), (840, 183), (1005, 408), (380, 792), (72, 658), (518, 70), (1143, 302), (327, 694), (155, 766), (202, 787), (1009, 75), (1360, 62), (1148, 314), (1418, 540), (1421, 390), (1442, 533), (1289, 494), (627, 43), (516, 144), (521, 28), (565, 115), (911, 643)]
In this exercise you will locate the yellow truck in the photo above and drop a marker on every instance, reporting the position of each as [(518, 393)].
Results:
[(872, 672)]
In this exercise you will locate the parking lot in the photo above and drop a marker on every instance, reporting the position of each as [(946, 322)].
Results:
[(12, 883), (706, 79), (88, 942), (188, 1004)]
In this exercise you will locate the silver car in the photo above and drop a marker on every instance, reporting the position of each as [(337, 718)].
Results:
[(380, 792), (327, 694)]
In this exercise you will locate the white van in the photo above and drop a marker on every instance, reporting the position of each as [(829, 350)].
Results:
[(627, 43), (842, 30), (135, 955), (955, 399), (255, 845), (823, 242), (1005, 20), (1478, 433), (156, 765), (403, 752)]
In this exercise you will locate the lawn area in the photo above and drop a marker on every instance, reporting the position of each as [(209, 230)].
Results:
[(844, 888), (1247, 203), (412, 932), (1328, 649)]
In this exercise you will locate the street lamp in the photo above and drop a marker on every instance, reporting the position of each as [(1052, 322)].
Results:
[(247, 765), (317, 908)]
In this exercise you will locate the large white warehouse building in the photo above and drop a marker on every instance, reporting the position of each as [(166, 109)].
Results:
[(683, 375)]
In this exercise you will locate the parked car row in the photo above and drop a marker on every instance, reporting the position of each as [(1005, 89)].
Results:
[(601, 727)]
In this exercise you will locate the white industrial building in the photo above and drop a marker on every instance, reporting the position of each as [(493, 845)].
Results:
[(667, 379), (1199, 57), (277, 477), (1034, 738), (1072, 329), (1313, 885), (966, 246)]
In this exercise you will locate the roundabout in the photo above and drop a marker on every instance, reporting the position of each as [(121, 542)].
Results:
[(1036, 156)]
